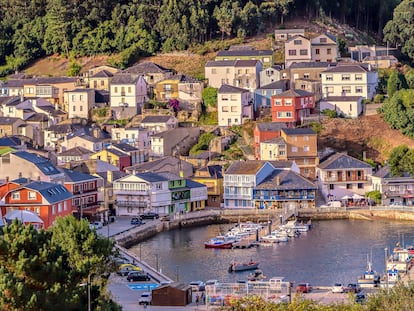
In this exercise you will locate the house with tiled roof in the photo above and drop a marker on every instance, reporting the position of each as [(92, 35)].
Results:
[(264, 131), (234, 105), (84, 188), (152, 73), (47, 200), (113, 156), (324, 48), (285, 34), (180, 87), (92, 139), (127, 94), (292, 107), (242, 177), (73, 154), (395, 190), (284, 189), (239, 73), (264, 56), (101, 80), (174, 142), (263, 95), (136, 155), (341, 175), (55, 134), (79, 103), (158, 123), (349, 80)]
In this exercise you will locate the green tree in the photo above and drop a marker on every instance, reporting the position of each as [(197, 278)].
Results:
[(399, 30), (225, 18), (209, 96), (398, 112), (396, 82), (396, 160)]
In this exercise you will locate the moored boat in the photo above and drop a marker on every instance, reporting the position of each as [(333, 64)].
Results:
[(370, 278), (219, 242), (240, 266)]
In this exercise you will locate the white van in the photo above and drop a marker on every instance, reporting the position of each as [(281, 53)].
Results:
[(333, 204)]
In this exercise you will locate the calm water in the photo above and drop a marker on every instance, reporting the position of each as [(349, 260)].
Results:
[(332, 251)]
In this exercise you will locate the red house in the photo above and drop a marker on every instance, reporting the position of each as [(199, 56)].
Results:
[(47, 200), (291, 106), (265, 131)]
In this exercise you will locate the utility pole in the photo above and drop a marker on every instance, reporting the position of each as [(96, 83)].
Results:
[(386, 270)]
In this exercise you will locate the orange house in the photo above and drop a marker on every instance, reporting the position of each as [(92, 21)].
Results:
[(47, 200)]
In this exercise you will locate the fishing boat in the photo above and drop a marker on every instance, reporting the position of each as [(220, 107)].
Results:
[(219, 242), (256, 275), (370, 278), (243, 266)]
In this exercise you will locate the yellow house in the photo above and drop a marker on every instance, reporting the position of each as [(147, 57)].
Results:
[(114, 157), (179, 86), (212, 177)]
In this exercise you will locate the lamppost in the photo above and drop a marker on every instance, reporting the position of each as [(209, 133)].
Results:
[(156, 261), (177, 275), (386, 270), (88, 284)]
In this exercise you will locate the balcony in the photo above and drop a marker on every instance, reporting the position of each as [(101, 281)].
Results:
[(284, 197), (136, 204), (237, 196), (344, 180)]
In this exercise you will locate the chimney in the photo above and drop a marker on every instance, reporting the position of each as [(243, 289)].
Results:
[(7, 179), (277, 181), (109, 176), (20, 174)]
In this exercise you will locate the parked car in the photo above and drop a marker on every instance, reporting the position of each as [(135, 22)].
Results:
[(212, 282), (96, 225), (337, 288), (124, 269), (360, 298), (145, 298), (135, 276), (149, 215), (303, 288), (353, 288), (137, 221), (197, 286)]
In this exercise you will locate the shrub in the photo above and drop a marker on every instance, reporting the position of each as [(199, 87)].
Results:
[(379, 98), (330, 113)]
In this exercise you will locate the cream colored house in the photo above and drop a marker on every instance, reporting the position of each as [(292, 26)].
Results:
[(101, 80), (88, 142), (350, 80), (324, 48), (239, 73), (127, 95), (174, 142), (297, 49), (79, 103), (273, 149), (234, 105), (286, 34), (349, 106)]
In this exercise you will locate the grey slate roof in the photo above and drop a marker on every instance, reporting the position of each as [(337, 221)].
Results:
[(75, 176), (75, 151), (289, 180), (270, 126), (384, 172), (220, 63), (151, 177), (252, 53), (183, 78), (103, 74), (124, 147), (146, 68), (123, 78), (37, 117), (348, 68), (44, 165), (156, 119), (281, 84), (312, 65), (193, 184), (40, 80), (275, 140), (342, 161), (225, 88), (117, 152), (246, 63), (53, 193), (298, 131), (9, 100), (294, 93), (281, 164), (341, 98), (244, 167), (8, 120)]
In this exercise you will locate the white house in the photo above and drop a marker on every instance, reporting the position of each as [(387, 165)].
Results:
[(349, 106), (79, 102), (234, 104), (349, 80)]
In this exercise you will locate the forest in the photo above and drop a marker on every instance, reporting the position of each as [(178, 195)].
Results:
[(30, 29)]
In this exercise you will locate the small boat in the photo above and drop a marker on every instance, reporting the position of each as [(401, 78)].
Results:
[(240, 266), (370, 278), (219, 242), (257, 275)]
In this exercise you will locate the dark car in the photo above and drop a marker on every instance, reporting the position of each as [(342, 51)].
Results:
[(134, 276), (303, 288), (360, 298), (137, 221), (150, 215), (353, 288)]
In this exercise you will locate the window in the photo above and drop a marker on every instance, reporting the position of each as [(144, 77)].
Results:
[(80, 97), (288, 102), (81, 108), (348, 186), (74, 108), (31, 195), (278, 102), (317, 51), (360, 186), (224, 97), (73, 97), (306, 138), (129, 89), (358, 77), (233, 97), (60, 207), (346, 89), (266, 59), (225, 109), (329, 77), (306, 75), (331, 186), (292, 52), (16, 196), (303, 52), (306, 148), (322, 40), (294, 149), (116, 89), (346, 77), (53, 209), (358, 89), (213, 70), (297, 42), (329, 51), (102, 82), (234, 109)]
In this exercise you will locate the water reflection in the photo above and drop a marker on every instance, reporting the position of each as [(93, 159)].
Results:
[(333, 251)]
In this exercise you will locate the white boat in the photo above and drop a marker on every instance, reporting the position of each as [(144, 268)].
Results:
[(276, 237), (390, 279), (370, 278), (299, 226)]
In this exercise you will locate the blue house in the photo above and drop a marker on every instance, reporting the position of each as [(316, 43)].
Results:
[(263, 95)]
